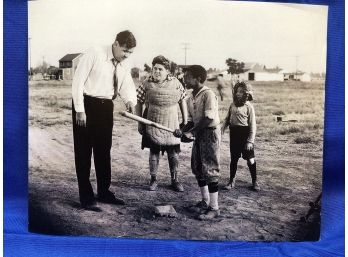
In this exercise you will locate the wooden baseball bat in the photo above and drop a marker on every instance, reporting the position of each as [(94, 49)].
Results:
[(145, 121)]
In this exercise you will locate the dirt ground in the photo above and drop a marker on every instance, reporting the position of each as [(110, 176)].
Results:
[(289, 175)]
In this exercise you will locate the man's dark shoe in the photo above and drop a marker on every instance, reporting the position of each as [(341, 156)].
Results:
[(91, 206), (177, 186), (110, 198)]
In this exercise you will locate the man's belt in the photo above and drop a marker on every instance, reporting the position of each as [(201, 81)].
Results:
[(96, 99)]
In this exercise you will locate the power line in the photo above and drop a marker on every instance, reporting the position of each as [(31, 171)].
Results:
[(296, 67)]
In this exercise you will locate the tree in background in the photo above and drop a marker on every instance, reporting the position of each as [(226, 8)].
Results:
[(41, 68), (53, 72), (135, 72), (147, 68), (173, 66), (234, 67)]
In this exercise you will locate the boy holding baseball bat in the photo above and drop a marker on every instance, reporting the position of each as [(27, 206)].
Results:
[(205, 160)]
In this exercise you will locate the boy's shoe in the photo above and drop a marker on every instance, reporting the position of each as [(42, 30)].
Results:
[(153, 185), (209, 214), (256, 186), (177, 186), (198, 207), (229, 186)]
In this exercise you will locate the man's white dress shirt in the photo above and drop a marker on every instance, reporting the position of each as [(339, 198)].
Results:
[(94, 77)]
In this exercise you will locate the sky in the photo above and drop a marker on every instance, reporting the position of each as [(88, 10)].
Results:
[(273, 34)]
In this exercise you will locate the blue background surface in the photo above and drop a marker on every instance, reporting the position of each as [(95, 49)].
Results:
[(19, 242)]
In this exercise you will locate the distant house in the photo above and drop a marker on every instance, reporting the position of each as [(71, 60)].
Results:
[(259, 72), (68, 65), (213, 73), (37, 76), (298, 76), (225, 75)]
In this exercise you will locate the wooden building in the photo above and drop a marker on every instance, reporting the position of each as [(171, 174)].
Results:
[(68, 65)]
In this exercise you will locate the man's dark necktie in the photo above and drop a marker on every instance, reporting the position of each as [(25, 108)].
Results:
[(115, 63)]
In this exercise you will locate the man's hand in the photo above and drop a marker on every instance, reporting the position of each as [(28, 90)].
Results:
[(186, 126), (249, 146), (130, 107), (81, 119)]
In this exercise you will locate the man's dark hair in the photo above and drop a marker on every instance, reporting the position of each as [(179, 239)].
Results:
[(126, 39), (161, 60), (197, 71)]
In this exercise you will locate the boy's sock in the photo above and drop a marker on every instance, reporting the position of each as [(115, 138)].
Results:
[(205, 194), (213, 195), (252, 169), (214, 200)]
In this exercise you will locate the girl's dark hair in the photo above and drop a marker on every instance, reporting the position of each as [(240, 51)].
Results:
[(126, 39), (247, 93), (161, 60)]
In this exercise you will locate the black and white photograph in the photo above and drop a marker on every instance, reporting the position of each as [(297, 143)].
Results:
[(180, 120)]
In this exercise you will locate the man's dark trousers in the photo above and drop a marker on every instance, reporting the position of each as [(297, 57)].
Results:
[(96, 137)]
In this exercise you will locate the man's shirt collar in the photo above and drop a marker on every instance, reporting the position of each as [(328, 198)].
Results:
[(110, 55)]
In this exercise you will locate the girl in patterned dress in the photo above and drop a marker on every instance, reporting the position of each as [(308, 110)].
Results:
[(158, 98)]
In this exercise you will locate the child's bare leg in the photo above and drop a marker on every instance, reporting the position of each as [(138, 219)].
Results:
[(173, 160), (153, 163), (233, 171), (252, 168)]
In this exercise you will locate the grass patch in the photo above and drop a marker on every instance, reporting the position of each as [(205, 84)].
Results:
[(278, 113), (66, 106), (317, 126), (290, 130), (303, 140)]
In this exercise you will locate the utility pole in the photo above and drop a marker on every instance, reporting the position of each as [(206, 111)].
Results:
[(185, 49), (296, 58)]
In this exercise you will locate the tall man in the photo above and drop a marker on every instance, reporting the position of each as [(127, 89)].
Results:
[(99, 78)]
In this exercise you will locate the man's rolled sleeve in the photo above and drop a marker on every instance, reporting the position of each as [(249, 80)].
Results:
[(127, 91)]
